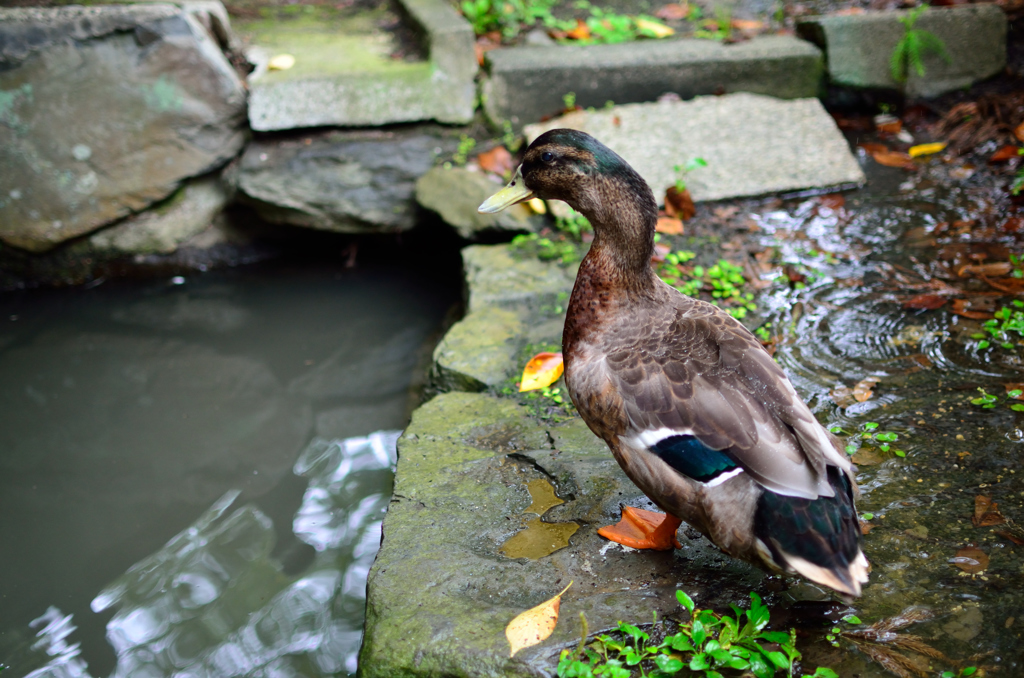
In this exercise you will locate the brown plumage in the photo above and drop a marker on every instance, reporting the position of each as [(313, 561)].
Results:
[(694, 409)]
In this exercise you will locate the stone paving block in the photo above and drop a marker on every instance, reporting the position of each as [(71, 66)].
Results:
[(496, 277), (478, 352), (858, 47), (338, 80), (455, 193), (753, 144), (526, 84)]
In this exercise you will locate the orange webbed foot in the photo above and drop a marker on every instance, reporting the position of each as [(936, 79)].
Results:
[(640, 529)]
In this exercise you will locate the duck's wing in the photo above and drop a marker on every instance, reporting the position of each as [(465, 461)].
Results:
[(698, 390)]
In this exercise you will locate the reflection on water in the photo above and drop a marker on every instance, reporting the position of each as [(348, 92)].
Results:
[(128, 409), (199, 606)]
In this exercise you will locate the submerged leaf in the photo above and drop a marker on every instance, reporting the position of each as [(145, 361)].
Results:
[(970, 559), (542, 370), (535, 625), (986, 512)]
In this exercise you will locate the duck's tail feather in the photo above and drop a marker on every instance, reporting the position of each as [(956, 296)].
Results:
[(817, 538)]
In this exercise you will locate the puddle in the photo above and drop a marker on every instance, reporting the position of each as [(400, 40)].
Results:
[(539, 539)]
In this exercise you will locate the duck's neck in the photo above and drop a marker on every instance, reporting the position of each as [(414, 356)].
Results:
[(623, 213)]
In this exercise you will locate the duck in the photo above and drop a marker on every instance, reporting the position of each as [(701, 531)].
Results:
[(692, 406)]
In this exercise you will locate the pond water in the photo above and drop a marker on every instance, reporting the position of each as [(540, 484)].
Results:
[(879, 300), (188, 480)]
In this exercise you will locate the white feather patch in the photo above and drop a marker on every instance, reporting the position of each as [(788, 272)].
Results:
[(719, 479), (651, 437)]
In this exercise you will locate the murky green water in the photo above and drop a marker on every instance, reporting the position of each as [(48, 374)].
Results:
[(226, 413), (848, 324)]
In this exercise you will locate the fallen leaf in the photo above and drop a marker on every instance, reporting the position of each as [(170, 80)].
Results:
[(925, 302), (1019, 132), (833, 201), (542, 370), (867, 456), (986, 512), (862, 390), (654, 29), (1004, 154), (888, 124), (866, 527), (749, 25), (497, 160), (679, 203), (793, 275), (849, 11), (1014, 533), (926, 149), (962, 307), (970, 559), (1012, 225), (894, 159), (281, 62), (669, 226), (581, 32), (673, 12), (993, 270), (535, 625)]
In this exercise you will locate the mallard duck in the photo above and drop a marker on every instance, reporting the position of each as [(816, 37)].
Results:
[(690, 403)]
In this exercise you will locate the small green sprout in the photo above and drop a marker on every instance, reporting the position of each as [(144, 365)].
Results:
[(870, 431), (466, 144), (909, 51), (684, 169), (989, 401), (964, 672)]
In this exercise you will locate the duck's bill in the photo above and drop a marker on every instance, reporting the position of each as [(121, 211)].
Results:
[(515, 192)]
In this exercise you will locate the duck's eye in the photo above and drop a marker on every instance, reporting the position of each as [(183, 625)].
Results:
[(547, 156)]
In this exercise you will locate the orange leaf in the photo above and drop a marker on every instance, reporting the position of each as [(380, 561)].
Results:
[(986, 512), (862, 390), (970, 559), (535, 625), (497, 160), (679, 203), (747, 25), (994, 269), (581, 32), (833, 201), (669, 226), (542, 370), (1004, 154), (925, 302), (1019, 132), (962, 307), (894, 159)]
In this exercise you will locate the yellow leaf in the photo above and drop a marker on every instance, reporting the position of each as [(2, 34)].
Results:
[(543, 370), (926, 149), (654, 28), (281, 62), (534, 625)]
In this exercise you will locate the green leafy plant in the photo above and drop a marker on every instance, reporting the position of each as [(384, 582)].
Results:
[(705, 645), (724, 282), (684, 169), (988, 400), (507, 16), (719, 28), (547, 249), (964, 672), (912, 46), (1007, 320), (872, 433)]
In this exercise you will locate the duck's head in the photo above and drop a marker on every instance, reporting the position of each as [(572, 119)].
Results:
[(568, 165)]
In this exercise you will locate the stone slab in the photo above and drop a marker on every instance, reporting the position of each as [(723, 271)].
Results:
[(441, 591), (858, 47), (753, 144), (478, 351), (524, 85), (350, 182), (495, 276), (339, 80), (455, 194), (104, 111)]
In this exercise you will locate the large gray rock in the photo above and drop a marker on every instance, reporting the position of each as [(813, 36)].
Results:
[(443, 589), (165, 227), (753, 144), (348, 80), (106, 110), (456, 193), (351, 182), (858, 47), (525, 85)]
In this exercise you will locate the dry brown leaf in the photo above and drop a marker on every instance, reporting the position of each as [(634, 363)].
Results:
[(669, 226), (679, 203), (673, 12), (535, 625), (862, 390), (497, 160), (833, 201), (1014, 533), (970, 559), (873, 147), (894, 159), (1004, 154), (867, 456), (986, 512), (888, 124), (866, 527), (842, 396), (993, 270), (748, 25), (1018, 132), (925, 302), (962, 307)]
